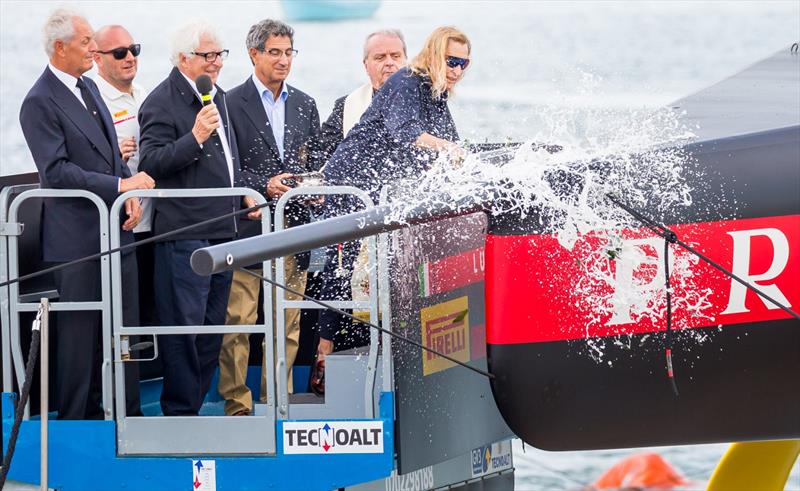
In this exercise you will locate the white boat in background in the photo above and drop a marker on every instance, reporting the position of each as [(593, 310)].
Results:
[(329, 10)]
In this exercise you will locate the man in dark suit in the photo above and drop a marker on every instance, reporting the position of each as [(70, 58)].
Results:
[(184, 146), (384, 54), (71, 136), (275, 123)]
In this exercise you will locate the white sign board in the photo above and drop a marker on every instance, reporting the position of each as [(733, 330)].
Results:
[(332, 437), (204, 475), (489, 459)]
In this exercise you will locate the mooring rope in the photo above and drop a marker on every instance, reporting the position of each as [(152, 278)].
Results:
[(33, 354)]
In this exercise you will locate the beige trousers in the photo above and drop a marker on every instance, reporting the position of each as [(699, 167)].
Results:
[(235, 352)]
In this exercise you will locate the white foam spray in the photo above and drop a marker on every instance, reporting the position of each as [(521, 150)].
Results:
[(636, 156)]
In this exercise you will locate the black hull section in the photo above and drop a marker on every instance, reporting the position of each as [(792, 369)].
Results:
[(738, 385)]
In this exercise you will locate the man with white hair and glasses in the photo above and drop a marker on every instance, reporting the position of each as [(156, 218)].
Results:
[(188, 145), (71, 137)]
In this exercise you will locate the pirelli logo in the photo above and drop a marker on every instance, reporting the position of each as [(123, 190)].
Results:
[(445, 328)]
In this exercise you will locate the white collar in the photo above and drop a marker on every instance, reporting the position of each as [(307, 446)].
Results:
[(194, 87), (110, 92), (69, 80), (261, 88)]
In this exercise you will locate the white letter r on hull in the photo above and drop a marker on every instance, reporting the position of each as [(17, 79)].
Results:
[(741, 268)]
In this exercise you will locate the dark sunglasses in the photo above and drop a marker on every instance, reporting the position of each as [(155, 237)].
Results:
[(454, 61), (121, 53)]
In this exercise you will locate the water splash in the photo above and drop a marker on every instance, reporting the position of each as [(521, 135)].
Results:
[(637, 157)]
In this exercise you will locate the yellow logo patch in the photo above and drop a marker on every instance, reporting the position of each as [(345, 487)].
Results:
[(445, 328), (121, 113)]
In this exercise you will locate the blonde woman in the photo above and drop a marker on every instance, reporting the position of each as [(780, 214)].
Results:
[(408, 120), (405, 126)]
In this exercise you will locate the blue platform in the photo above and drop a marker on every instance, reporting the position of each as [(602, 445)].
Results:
[(83, 457)]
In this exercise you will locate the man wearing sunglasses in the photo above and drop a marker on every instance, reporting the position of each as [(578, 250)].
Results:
[(117, 62)]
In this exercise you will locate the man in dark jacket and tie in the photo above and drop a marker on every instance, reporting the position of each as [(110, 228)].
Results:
[(276, 126), (71, 137), (186, 145)]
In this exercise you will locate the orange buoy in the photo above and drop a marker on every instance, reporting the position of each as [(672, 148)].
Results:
[(640, 470)]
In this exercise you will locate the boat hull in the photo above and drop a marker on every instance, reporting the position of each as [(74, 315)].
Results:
[(737, 386), (568, 378)]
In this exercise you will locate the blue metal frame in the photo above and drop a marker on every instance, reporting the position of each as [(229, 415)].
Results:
[(83, 457)]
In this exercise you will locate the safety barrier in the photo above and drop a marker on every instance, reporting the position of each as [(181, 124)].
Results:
[(138, 435)]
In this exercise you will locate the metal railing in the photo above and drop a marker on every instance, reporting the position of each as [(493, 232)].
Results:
[(15, 306), (168, 434), (385, 301), (8, 228), (372, 305), (44, 389)]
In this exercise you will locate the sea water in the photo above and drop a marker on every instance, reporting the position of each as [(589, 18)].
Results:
[(590, 66)]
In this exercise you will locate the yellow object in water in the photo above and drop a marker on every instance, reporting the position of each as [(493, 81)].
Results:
[(762, 466)]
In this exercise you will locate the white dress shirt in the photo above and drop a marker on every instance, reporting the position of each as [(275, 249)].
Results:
[(221, 130), (71, 83), (69, 80), (275, 109), (124, 109)]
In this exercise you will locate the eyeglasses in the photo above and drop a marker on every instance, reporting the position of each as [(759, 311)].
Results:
[(211, 56), (276, 53), (454, 61), (122, 52)]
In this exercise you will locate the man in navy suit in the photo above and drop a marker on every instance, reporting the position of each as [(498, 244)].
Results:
[(186, 145), (276, 126), (71, 136)]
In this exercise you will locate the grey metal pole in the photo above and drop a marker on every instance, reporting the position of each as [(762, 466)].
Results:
[(373, 221), (44, 359), (241, 253)]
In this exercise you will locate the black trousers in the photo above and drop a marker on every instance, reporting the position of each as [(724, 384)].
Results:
[(184, 298), (146, 267), (79, 341), (336, 277)]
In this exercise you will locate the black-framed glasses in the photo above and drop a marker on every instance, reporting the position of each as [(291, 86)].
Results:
[(211, 56), (121, 52), (454, 61), (276, 53)]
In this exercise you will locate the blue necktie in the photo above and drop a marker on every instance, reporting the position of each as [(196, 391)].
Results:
[(88, 99)]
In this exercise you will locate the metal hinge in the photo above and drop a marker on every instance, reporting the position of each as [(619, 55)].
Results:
[(11, 228)]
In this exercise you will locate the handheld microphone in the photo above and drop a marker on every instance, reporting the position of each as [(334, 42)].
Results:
[(204, 86)]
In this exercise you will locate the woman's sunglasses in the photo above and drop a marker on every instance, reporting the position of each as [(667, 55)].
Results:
[(121, 53), (454, 61)]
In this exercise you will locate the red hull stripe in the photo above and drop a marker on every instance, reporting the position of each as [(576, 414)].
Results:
[(451, 272), (532, 282)]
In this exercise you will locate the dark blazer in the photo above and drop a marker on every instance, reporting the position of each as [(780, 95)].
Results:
[(71, 152), (330, 134), (259, 152), (380, 148), (171, 155)]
